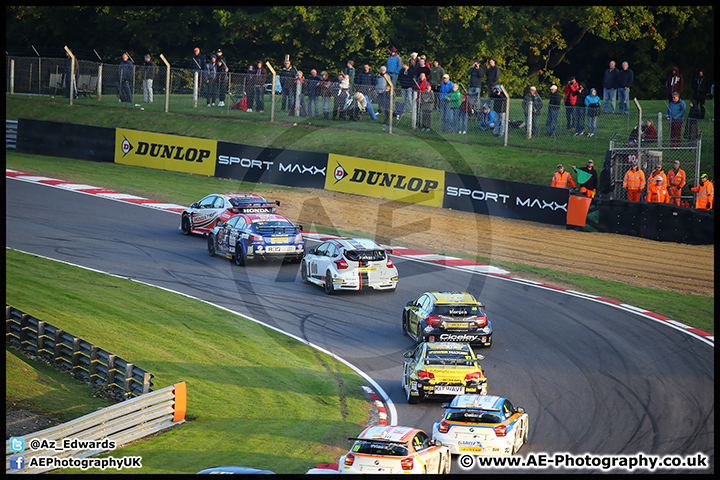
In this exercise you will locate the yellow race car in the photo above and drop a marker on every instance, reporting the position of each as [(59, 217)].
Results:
[(442, 369)]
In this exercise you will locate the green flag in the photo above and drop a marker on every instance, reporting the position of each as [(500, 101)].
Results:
[(583, 176)]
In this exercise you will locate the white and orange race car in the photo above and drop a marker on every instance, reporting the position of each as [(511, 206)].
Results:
[(200, 217), (385, 450)]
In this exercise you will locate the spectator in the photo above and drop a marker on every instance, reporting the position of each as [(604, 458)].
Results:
[(197, 62), (649, 134), (657, 192), (436, 76), (406, 82), (464, 113), (487, 118), (423, 67), (701, 87), (579, 113), (492, 74), (587, 179), (394, 64), (223, 80), (260, 80), (366, 79), (127, 73), (553, 110), (658, 172), (349, 72), (325, 93), (414, 61), (287, 82), (609, 83), (250, 87), (606, 182), (299, 89), (532, 106), (70, 81), (593, 103), (313, 92), (382, 90), (210, 80), (220, 56), (705, 193), (148, 78), (500, 102), (676, 182), (562, 179), (624, 80), (445, 87), (454, 99), (420, 87), (691, 127), (634, 182), (674, 83), (427, 101), (340, 96), (675, 113), (568, 90), (476, 74)]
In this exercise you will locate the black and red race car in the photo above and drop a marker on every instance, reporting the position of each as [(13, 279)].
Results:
[(200, 217)]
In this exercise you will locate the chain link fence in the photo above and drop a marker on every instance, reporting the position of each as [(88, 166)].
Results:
[(486, 122)]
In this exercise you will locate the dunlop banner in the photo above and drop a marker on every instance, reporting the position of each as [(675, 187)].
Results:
[(165, 152), (385, 180)]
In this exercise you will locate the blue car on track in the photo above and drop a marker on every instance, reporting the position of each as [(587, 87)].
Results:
[(245, 237)]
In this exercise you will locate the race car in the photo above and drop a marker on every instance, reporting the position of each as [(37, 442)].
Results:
[(349, 264), (200, 217), (447, 317), (482, 425), (437, 369), (250, 236), (383, 449)]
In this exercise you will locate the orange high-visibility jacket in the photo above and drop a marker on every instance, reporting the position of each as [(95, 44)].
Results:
[(653, 175), (634, 180), (706, 195), (676, 179), (657, 193), (562, 180)]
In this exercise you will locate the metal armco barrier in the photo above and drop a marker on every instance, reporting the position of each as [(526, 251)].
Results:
[(82, 359), (121, 423)]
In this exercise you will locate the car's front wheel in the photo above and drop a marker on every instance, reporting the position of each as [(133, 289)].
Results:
[(211, 245), (185, 224), (404, 324), (303, 272)]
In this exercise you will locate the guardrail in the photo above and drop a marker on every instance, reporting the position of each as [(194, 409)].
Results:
[(79, 357), (104, 430)]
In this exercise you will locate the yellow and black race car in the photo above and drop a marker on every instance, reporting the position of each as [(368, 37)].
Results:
[(447, 317), (442, 369)]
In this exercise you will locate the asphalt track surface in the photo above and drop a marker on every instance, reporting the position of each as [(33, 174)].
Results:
[(593, 378)]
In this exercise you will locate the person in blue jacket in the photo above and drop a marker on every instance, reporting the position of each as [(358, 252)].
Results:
[(593, 103), (675, 113), (394, 64), (487, 118)]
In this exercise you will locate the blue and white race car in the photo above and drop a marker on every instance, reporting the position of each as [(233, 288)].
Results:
[(246, 237), (482, 425)]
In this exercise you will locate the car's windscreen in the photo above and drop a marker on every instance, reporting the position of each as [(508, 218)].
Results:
[(458, 310), (469, 416), (449, 358), (372, 447), (365, 255), (274, 226)]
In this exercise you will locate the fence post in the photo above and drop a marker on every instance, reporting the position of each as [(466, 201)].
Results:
[(57, 351), (146, 382), (196, 75), (12, 76), (100, 76), (128, 379), (72, 75), (93, 364), (40, 337), (414, 109), (391, 102), (298, 90), (76, 355), (110, 380), (167, 83), (659, 129), (23, 328), (529, 116), (272, 93)]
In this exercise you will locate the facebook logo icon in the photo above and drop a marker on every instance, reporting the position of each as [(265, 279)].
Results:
[(17, 462)]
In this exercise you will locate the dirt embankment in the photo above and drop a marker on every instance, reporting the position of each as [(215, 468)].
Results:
[(632, 260)]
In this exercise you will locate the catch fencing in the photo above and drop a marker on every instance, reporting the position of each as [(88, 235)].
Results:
[(272, 97), (72, 354)]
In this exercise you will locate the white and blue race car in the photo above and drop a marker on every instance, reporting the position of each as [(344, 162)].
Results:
[(482, 425)]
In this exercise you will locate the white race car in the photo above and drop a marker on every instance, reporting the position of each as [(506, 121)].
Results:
[(382, 449), (482, 425), (349, 264)]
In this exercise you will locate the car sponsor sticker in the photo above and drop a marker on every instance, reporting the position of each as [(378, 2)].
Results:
[(449, 390)]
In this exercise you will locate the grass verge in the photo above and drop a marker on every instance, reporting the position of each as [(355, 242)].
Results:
[(250, 389)]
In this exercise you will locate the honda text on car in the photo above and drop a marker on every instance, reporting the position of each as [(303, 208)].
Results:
[(200, 217)]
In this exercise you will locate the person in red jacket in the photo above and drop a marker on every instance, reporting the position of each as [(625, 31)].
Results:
[(562, 179), (657, 191), (569, 90), (706, 193)]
